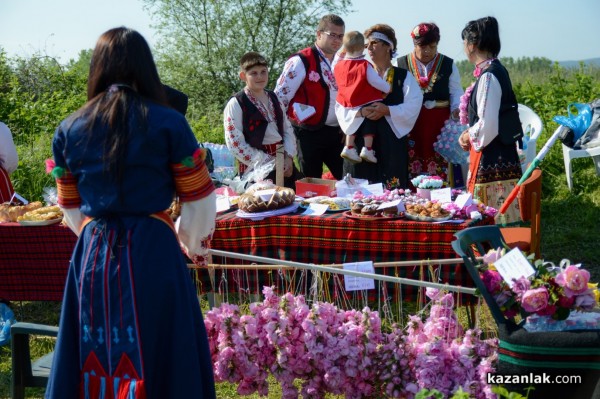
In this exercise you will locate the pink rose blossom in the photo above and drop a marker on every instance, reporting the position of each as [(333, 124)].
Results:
[(535, 300), (574, 280), (520, 286)]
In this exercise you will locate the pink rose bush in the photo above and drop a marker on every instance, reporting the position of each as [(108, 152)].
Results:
[(551, 291), (346, 352)]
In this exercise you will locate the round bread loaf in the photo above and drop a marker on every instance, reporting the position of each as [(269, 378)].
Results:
[(252, 202)]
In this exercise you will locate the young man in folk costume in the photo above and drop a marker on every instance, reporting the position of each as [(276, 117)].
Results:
[(307, 83), (255, 123)]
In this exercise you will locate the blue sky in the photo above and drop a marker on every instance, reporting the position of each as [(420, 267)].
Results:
[(558, 30)]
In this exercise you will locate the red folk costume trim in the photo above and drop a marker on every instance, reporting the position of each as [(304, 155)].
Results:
[(425, 82), (66, 185), (68, 194), (123, 384), (192, 180)]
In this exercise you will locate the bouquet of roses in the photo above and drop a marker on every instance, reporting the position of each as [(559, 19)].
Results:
[(552, 291)]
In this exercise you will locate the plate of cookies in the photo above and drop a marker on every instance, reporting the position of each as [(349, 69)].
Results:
[(427, 212), (370, 210)]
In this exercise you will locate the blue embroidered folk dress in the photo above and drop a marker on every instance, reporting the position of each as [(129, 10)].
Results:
[(131, 325)]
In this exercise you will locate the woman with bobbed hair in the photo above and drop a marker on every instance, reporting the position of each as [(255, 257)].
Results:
[(131, 325), (439, 80), (400, 109), (489, 107)]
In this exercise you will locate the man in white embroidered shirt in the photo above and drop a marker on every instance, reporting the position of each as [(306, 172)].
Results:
[(307, 90)]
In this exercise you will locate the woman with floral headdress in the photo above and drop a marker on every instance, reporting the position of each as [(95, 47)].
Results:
[(400, 108), (439, 80)]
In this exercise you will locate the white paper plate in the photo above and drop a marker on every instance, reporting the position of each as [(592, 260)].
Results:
[(39, 222)]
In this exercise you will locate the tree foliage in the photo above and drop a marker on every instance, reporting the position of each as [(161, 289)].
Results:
[(203, 40)]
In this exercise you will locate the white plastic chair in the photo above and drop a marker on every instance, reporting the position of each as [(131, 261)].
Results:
[(569, 154), (532, 127)]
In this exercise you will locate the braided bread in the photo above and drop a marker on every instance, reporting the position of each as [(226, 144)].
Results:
[(251, 202)]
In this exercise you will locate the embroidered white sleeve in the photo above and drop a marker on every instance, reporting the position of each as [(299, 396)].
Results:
[(403, 116), (455, 88), (73, 218), (488, 97), (290, 80), (234, 136), (196, 225)]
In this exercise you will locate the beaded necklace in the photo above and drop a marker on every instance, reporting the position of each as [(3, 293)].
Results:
[(425, 82)]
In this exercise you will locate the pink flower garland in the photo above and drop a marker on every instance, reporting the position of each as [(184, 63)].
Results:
[(330, 350), (464, 105)]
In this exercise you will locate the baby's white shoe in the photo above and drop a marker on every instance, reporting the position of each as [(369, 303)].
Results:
[(351, 155), (368, 155)]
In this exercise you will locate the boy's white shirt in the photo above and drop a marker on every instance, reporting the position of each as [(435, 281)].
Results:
[(234, 133)]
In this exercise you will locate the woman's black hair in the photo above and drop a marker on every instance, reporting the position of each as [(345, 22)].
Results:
[(484, 34), (122, 72)]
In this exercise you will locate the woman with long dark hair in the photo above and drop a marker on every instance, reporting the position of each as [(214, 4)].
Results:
[(131, 325)]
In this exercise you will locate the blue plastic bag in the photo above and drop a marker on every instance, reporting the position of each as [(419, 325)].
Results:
[(578, 123), (7, 319)]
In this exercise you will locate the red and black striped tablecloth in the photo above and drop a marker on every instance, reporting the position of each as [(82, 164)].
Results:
[(34, 259), (334, 238)]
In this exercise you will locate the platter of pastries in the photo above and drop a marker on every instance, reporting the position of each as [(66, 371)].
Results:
[(41, 216), (427, 212), (369, 209)]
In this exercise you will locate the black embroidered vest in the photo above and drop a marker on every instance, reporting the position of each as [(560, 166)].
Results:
[(396, 96), (254, 124), (509, 124)]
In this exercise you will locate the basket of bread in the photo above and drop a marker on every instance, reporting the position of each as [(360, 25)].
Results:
[(262, 200), (263, 197)]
